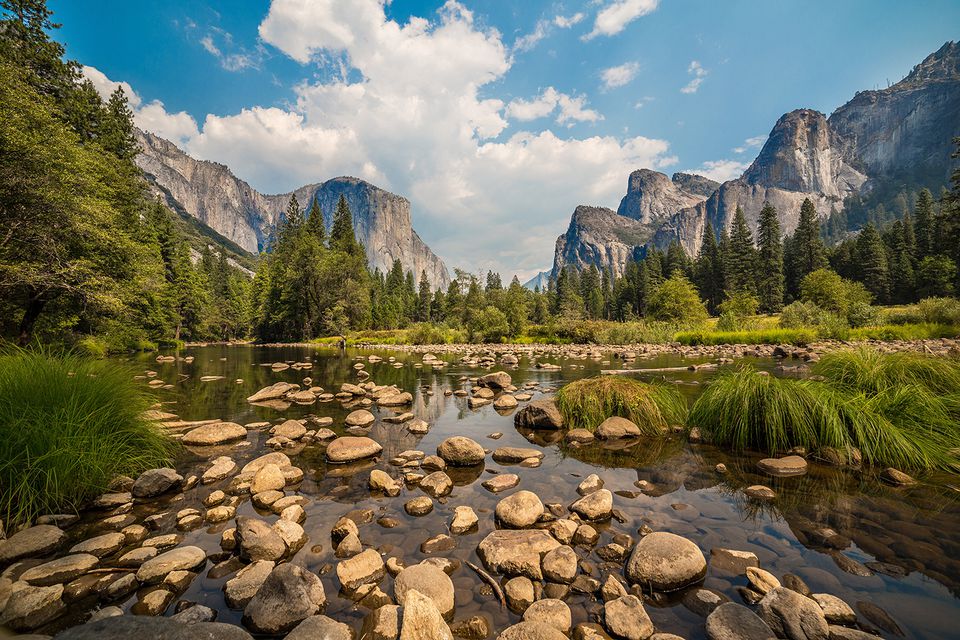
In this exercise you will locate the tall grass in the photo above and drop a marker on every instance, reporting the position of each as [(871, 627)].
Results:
[(69, 425), (899, 409), (652, 407), (798, 337)]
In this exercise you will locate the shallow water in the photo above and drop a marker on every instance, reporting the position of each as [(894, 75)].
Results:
[(909, 539)]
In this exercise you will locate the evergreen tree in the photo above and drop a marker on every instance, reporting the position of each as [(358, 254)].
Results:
[(924, 224), (770, 259), (316, 225), (424, 298), (872, 260), (741, 260), (342, 237), (806, 251), (677, 260), (116, 134), (708, 273)]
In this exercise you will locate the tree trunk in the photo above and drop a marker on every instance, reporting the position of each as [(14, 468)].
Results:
[(31, 313)]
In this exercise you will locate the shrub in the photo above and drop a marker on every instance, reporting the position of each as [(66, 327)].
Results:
[(489, 325), (652, 407), (429, 333), (676, 300), (71, 424), (832, 293), (887, 333), (929, 310)]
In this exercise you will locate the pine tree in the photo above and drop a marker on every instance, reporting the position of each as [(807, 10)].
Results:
[(872, 260), (677, 259), (117, 128), (806, 251), (708, 274), (770, 259), (316, 225), (342, 236), (741, 262), (292, 220), (424, 298), (924, 224)]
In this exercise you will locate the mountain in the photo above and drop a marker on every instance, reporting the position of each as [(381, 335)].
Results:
[(609, 239), (210, 193), (879, 142), (541, 280)]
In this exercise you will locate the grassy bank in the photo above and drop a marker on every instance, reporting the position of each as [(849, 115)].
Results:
[(70, 425), (652, 407)]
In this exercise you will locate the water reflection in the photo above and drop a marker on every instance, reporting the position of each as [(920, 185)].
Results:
[(841, 531)]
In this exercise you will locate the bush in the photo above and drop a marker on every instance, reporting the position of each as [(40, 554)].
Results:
[(887, 333), (929, 310), (832, 293), (676, 300), (71, 424), (489, 325), (429, 333), (652, 407)]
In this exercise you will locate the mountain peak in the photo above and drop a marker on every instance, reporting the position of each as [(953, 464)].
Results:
[(942, 64)]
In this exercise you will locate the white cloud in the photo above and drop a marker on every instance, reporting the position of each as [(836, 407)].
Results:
[(620, 75), (410, 118), (529, 41), (750, 143), (152, 116), (642, 102), (231, 61), (565, 23), (699, 73), (615, 17), (721, 170), (571, 108), (208, 44)]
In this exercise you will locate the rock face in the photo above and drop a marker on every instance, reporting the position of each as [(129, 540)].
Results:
[(900, 134), (209, 192)]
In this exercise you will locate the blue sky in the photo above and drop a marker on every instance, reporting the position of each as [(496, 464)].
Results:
[(495, 118)]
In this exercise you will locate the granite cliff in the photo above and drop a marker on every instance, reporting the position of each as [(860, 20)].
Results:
[(210, 193)]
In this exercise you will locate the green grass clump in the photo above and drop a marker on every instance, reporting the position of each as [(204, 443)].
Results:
[(652, 407), (898, 409), (890, 332), (746, 409), (70, 424), (798, 337)]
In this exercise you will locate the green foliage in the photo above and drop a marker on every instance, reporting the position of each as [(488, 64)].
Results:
[(829, 291), (676, 300), (770, 279), (944, 311), (797, 337), (736, 310), (71, 424), (936, 276), (741, 260), (804, 253), (652, 407)]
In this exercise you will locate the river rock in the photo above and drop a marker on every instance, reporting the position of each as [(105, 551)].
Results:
[(732, 621), (594, 506), (276, 457), (429, 580), (289, 595), (157, 481), (539, 414), (273, 392), (352, 448), (240, 589), (793, 616), (29, 607), (505, 402), (665, 562), (292, 429), (382, 623), (519, 510), (268, 478), (31, 542), (783, 467), (626, 618), (835, 610), (516, 552), (512, 455), (761, 580), (437, 484), (126, 627), (60, 570), (186, 558), (381, 481), (896, 477), (519, 593), (501, 482), (732, 561), (616, 427), (497, 380), (472, 628), (220, 469), (419, 506), (100, 546), (590, 484), (258, 540), (464, 519), (461, 451), (422, 620), (363, 568), (214, 434), (760, 492), (320, 628), (529, 630), (560, 565), (550, 611), (359, 418)]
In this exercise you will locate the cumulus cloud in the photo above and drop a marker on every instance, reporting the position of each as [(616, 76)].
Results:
[(699, 73), (615, 17), (620, 75), (721, 170), (151, 116), (570, 109), (750, 143), (415, 116)]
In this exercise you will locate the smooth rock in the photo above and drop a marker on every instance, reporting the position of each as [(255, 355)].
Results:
[(430, 581), (214, 434), (155, 482), (289, 595), (793, 616), (351, 448), (363, 568), (616, 427), (665, 562), (519, 510), (539, 414), (186, 558), (626, 618), (461, 451), (732, 621)]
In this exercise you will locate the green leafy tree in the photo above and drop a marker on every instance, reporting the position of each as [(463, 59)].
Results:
[(676, 300), (936, 276)]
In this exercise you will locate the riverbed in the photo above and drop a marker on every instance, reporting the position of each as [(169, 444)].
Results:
[(841, 531)]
